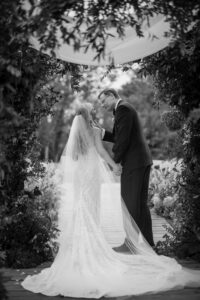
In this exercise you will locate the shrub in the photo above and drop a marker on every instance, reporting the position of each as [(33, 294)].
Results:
[(3, 292), (173, 119), (47, 189), (163, 188), (26, 232)]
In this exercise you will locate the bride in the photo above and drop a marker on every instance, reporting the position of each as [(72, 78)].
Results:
[(92, 219)]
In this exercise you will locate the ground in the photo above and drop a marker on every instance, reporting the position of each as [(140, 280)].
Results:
[(12, 278)]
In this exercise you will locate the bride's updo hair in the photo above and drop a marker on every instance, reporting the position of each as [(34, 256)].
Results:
[(82, 139), (84, 110)]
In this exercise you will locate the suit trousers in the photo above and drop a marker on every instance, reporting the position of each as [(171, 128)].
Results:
[(134, 191)]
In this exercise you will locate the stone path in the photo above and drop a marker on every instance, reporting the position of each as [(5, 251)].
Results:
[(12, 278)]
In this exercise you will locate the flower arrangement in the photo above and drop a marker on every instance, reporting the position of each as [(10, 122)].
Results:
[(163, 189), (173, 119), (47, 187)]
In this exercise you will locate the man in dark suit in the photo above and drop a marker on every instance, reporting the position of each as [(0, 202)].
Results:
[(132, 152)]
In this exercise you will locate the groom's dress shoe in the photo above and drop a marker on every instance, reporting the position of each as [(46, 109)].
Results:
[(123, 249)]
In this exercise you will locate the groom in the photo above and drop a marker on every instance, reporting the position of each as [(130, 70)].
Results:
[(132, 152)]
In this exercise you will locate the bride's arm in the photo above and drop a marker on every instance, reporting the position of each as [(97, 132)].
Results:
[(102, 151)]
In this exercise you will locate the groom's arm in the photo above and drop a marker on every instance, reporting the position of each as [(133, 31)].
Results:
[(107, 136), (123, 127)]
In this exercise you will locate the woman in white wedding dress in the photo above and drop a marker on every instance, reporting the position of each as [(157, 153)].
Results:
[(92, 219)]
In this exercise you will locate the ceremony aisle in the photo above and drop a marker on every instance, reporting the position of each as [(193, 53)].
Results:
[(13, 277)]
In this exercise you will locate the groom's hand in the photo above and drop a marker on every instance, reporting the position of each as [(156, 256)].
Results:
[(99, 126), (117, 170)]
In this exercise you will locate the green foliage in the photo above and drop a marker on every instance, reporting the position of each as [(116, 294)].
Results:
[(178, 76), (28, 229), (20, 160), (173, 119), (3, 292), (175, 72), (26, 96), (28, 104), (140, 94), (99, 16), (26, 232), (54, 130), (47, 187), (164, 187)]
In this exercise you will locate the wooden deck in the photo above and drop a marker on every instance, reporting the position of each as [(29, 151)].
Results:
[(12, 278), (158, 224)]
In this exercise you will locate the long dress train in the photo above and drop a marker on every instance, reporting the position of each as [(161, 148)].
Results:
[(92, 219)]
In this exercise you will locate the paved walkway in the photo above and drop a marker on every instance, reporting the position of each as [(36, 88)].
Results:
[(12, 278)]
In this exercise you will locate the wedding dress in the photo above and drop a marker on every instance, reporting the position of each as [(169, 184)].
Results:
[(92, 219)]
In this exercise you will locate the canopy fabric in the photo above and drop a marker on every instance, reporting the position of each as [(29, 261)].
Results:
[(117, 51)]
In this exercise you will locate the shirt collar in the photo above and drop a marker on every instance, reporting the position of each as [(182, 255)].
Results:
[(117, 103)]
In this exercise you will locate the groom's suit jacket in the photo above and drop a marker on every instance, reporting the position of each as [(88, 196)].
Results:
[(130, 147)]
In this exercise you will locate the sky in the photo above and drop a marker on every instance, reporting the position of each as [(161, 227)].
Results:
[(121, 79)]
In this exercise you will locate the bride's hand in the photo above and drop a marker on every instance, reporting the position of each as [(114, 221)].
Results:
[(117, 169)]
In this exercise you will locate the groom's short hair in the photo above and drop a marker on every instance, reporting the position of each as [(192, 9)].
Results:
[(108, 92)]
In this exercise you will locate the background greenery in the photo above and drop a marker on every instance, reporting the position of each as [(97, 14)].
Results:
[(175, 73), (53, 132)]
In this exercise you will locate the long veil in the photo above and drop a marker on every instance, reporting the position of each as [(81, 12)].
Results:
[(116, 222)]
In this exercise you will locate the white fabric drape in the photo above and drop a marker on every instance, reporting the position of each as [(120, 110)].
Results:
[(117, 51)]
